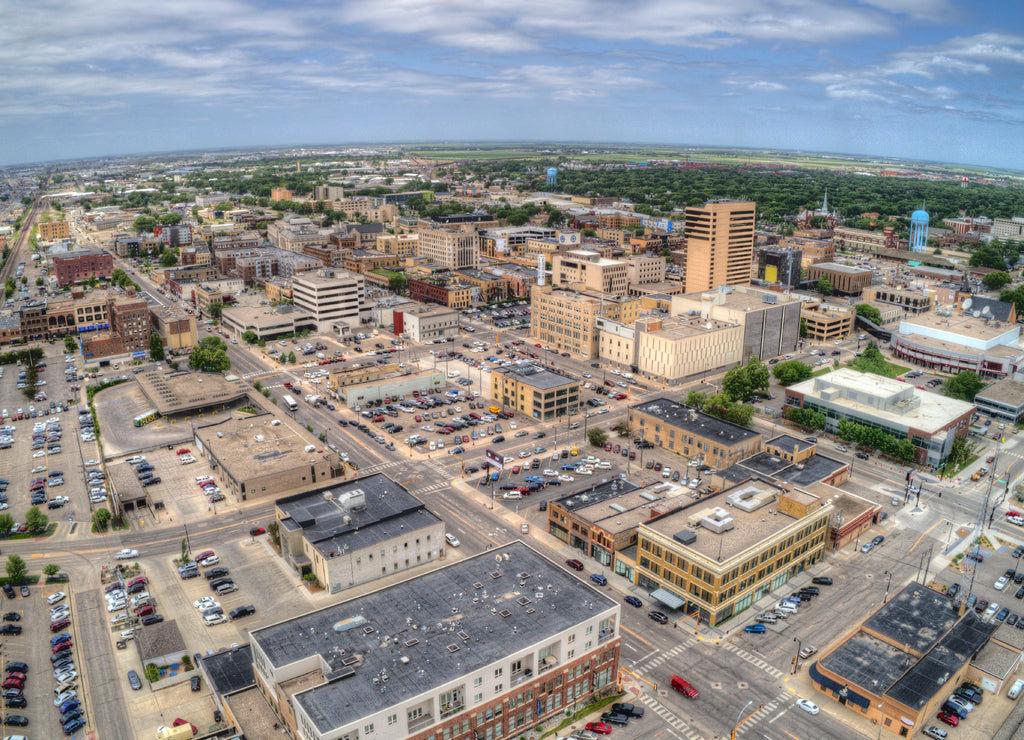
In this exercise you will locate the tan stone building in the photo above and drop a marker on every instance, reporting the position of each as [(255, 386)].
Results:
[(534, 391), (567, 320), (694, 434), (645, 269), (825, 322), (453, 248), (582, 269), (53, 230), (845, 279), (176, 328), (280, 194), (719, 555), (671, 350), (719, 244), (400, 245)]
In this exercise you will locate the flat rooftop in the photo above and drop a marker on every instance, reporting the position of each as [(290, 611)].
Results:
[(750, 527), (855, 391), (230, 669), (696, 422), (740, 297), (868, 662), (459, 619), (333, 524), (179, 392), (679, 328), (281, 447), (536, 376), (788, 442), (848, 269), (261, 317), (1008, 391), (967, 325), (916, 617)]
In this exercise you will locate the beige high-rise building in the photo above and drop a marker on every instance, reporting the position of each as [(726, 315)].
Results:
[(719, 244), (451, 248), (581, 268), (52, 230)]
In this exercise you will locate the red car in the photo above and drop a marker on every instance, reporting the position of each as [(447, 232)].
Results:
[(13, 683), (59, 625), (183, 450), (257, 531), (179, 722), (143, 611), (515, 470), (61, 646), (990, 458), (950, 719), (601, 728)]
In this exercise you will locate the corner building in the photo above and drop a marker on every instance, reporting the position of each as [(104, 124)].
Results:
[(483, 648)]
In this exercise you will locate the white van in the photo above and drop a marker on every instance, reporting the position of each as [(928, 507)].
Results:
[(454, 373), (666, 472), (1014, 691)]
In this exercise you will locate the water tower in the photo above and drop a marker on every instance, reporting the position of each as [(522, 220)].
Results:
[(918, 230), (552, 177)]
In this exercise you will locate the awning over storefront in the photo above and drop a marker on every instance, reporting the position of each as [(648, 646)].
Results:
[(668, 598), (844, 691)]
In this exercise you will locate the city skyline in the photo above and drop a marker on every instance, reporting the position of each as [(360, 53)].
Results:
[(918, 79)]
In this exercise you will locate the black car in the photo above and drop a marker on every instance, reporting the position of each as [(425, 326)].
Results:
[(953, 591), (16, 702), (218, 572), (214, 585), (152, 619), (10, 629), (16, 666), (822, 581), (59, 656), (658, 617), (17, 720), (242, 611), (630, 710), (150, 482), (8, 591), (12, 617), (861, 455), (615, 718), (194, 683)]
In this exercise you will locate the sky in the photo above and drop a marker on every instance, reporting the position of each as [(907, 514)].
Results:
[(928, 79)]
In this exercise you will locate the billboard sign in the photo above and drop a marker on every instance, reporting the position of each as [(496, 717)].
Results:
[(658, 224), (495, 459)]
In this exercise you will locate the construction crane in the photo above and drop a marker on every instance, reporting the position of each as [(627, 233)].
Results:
[(743, 719)]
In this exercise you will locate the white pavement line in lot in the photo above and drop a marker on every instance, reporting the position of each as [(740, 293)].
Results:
[(677, 723)]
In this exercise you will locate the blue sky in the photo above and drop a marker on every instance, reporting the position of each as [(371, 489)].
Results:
[(933, 79)]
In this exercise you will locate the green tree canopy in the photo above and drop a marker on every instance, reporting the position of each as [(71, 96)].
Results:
[(805, 417), (70, 345), (1014, 296), (211, 355), (170, 219), (597, 437), (965, 386), (696, 400), (36, 519), (743, 381), (143, 223), (156, 347), (870, 313), (825, 286), (120, 278), (16, 568), (169, 257), (215, 309), (996, 280), (792, 371), (872, 360), (249, 337)]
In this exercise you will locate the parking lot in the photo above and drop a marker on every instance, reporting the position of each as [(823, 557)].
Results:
[(263, 581), (998, 584)]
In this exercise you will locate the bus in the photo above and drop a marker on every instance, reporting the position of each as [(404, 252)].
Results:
[(142, 419), (290, 403)]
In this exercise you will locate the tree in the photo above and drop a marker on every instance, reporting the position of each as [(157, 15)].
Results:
[(870, 313), (825, 286), (211, 354), (1014, 296), (792, 371), (965, 386), (803, 328), (958, 453), (51, 570), (101, 519), (36, 519), (696, 400), (398, 283), (622, 429), (805, 417), (120, 278), (597, 437), (291, 358), (871, 360), (169, 257), (6, 522), (156, 347), (996, 280), (249, 337), (70, 343), (215, 309), (40, 281), (744, 380), (143, 223), (16, 569), (170, 219)]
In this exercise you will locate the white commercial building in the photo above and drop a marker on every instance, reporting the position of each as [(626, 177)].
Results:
[(335, 298)]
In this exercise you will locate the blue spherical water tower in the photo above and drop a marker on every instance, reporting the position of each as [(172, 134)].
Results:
[(919, 230), (552, 177)]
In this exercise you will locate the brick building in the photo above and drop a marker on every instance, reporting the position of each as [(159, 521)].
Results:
[(77, 267)]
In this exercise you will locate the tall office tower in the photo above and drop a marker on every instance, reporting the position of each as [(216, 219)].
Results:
[(719, 244)]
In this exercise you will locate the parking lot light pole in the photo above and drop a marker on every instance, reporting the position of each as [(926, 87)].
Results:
[(799, 647), (887, 582)]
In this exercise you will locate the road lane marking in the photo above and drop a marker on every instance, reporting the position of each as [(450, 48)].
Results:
[(926, 532), (634, 634)]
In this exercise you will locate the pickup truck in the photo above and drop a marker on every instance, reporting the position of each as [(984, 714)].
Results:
[(979, 474)]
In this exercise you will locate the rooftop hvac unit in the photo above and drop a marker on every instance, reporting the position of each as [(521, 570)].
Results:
[(685, 537)]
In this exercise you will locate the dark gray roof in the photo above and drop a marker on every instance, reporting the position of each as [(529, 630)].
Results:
[(865, 661), (787, 442), (811, 470), (536, 376), (387, 509), (764, 464), (696, 422), (917, 687), (229, 670), (916, 617), (448, 623), (596, 493), (156, 640), (999, 310), (478, 274)]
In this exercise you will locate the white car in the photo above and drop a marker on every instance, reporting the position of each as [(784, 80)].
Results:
[(207, 602), (38, 468), (113, 606), (55, 597), (1001, 583), (63, 697), (92, 462), (127, 554), (566, 478), (808, 706), (59, 612), (211, 619), (452, 539)]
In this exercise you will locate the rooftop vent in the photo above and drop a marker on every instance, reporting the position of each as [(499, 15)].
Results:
[(685, 537)]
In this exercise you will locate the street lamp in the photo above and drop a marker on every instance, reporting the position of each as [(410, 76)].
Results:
[(887, 582), (799, 648), (739, 717)]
